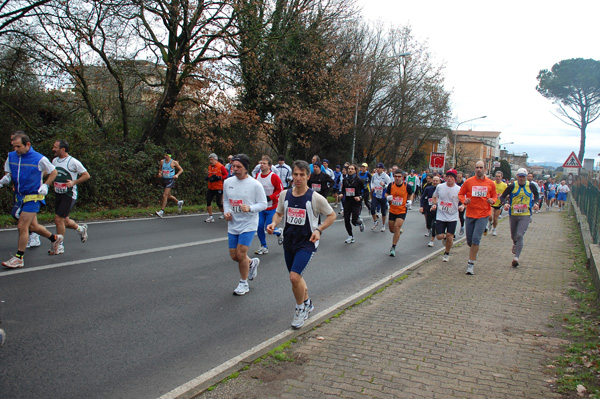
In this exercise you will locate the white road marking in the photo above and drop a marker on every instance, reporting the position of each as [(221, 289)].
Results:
[(109, 257)]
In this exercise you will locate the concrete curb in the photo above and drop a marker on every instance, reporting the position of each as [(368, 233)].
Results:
[(201, 383)]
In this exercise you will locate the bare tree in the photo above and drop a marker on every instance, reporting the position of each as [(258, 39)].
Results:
[(14, 11)]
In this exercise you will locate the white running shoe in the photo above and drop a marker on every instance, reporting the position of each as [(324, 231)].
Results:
[(242, 288), (253, 272), (2, 337), (279, 233), (179, 206), (494, 232), (34, 240), (349, 240), (361, 226), (470, 269), (375, 224), (299, 316), (462, 230), (222, 217), (262, 251), (14, 262), (83, 234), (383, 228), (210, 219), (445, 258), (515, 262), (160, 213), (55, 246), (431, 244)]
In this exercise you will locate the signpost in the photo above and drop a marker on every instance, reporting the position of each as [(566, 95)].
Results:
[(571, 165), (437, 160)]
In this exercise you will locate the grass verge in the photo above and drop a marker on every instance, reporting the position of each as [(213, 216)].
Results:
[(578, 369)]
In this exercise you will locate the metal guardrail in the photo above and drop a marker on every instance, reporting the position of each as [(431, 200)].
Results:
[(587, 197)]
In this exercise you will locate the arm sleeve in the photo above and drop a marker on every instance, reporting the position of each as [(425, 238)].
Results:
[(277, 185), (6, 166), (45, 165), (261, 199), (535, 192), (224, 173), (226, 207), (462, 193), (321, 205), (388, 189), (507, 192)]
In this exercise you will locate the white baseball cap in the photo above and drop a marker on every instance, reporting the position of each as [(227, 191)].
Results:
[(522, 172)]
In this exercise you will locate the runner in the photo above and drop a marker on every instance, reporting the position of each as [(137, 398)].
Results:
[(477, 193), (461, 214), (411, 180), (352, 188), (550, 194), (273, 187), (379, 182), (283, 171), (497, 207), (561, 195), (302, 208), (399, 195), (243, 199), (70, 173), (447, 206), (320, 181), (522, 197), (217, 173), (328, 169), (365, 176), (27, 168), (426, 209), (542, 195), (337, 184), (168, 175)]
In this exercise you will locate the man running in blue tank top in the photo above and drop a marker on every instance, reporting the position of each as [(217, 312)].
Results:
[(301, 207)]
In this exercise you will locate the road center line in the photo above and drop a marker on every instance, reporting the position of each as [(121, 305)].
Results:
[(109, 257)]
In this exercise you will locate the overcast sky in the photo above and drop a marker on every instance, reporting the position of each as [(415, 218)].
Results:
[(493, 53)]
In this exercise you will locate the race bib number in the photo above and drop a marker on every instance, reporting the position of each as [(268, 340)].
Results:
[(446, 206), (378, 191), (60, 188), (397, 201), (411, 183), (479, 191), (296, 216), (166, 173), (350, 192), (430, 201), (520, 208), (235, 205), (316, 187)]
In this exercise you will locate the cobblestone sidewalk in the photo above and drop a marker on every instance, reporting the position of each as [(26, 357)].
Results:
[(439, 333)]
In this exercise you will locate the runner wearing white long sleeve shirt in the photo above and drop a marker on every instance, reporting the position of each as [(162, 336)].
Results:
[(243, 199)]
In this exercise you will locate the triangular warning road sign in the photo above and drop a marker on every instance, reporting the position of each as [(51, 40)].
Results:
[(572, 161)]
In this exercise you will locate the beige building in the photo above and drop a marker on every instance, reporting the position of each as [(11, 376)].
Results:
[(472, 146)]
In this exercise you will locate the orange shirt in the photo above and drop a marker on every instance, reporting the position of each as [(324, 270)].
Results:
[(478, 191), (219, 170), (400, 194)]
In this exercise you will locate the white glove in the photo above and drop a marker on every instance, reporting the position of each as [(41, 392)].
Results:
[(389, 198), (5, 181), (43, 189)]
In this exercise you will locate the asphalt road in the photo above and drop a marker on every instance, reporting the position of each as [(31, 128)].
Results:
[(146, 305)]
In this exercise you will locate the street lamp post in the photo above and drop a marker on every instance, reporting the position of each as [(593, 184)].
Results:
[(456, 130), (405, 54)]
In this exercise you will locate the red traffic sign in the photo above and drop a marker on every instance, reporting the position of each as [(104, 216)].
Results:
[(572, 161), (437, 160)]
